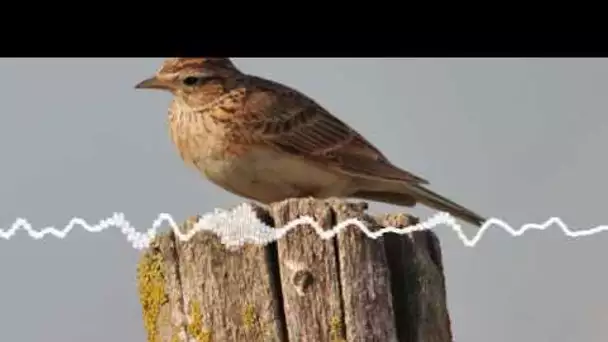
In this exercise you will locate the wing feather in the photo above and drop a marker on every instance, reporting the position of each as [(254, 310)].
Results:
[(291, 122)]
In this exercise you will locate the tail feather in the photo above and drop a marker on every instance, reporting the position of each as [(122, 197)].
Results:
[(436, 201), (413, 194)]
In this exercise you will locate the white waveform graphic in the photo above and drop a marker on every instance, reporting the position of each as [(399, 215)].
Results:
[(240, 225)]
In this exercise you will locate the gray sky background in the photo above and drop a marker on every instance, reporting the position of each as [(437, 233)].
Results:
[(518, 139)]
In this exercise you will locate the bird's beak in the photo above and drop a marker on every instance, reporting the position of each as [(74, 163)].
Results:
[(152, 83)]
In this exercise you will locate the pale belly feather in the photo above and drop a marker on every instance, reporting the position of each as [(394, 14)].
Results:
[(267, 176)]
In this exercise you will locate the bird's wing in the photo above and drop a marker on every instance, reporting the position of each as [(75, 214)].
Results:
[(291, 122)]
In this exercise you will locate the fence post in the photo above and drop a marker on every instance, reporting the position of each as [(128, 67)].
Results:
[(301, 288)]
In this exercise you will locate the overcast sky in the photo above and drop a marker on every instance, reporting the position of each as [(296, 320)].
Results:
[(518, 139)]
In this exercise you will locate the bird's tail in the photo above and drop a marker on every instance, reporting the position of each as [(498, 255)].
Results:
[(436, 201), (413, 194)]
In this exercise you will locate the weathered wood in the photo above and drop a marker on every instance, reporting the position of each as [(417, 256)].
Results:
[(309, 273), (365, 279), (302, 288), (215, 295), (418, 283)]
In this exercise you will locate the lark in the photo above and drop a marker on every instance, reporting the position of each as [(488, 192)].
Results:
[(265, 141)]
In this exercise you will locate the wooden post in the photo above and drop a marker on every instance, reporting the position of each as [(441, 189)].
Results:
[(301, 288)]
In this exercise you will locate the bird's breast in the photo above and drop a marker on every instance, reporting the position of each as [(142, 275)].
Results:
[(197, 138)]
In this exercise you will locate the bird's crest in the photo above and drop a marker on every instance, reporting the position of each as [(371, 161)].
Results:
[(174, 65)]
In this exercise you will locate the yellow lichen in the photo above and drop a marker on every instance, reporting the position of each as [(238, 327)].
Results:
[(195, 327), (336, 329), (151, 288), (249, 316)]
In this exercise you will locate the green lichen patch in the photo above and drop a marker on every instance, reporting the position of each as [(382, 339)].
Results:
[(151, 287), (195, 327)]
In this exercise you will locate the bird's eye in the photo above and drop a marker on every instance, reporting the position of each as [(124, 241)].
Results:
[(190, 80)]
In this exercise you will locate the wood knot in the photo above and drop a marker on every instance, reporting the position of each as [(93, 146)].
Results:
[(302, 279)]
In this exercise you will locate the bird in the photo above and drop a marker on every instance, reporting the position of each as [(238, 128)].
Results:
[(266, 141)]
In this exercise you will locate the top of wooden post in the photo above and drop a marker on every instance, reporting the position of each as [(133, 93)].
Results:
[(301, 288)]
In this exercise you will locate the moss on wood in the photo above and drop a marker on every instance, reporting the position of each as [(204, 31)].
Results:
[(151, 287)]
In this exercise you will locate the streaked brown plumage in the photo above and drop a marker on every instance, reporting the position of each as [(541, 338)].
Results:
[(265, 141)]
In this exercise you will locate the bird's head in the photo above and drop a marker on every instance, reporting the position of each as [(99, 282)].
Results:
[(182, 76)]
